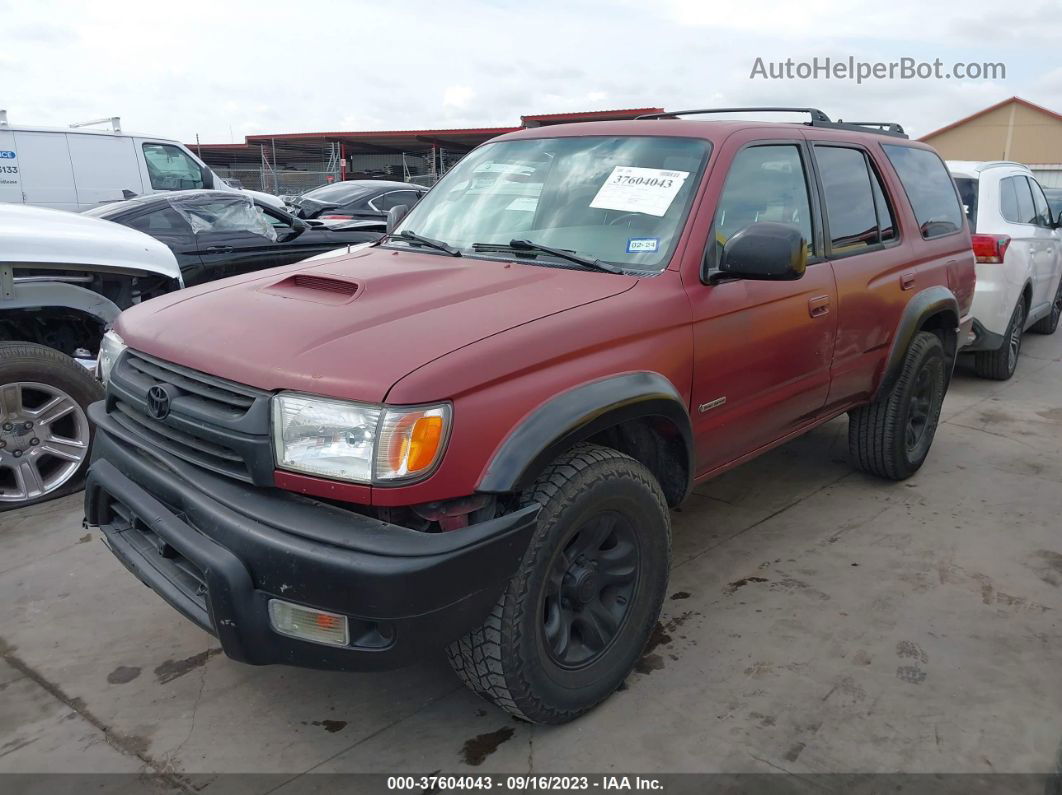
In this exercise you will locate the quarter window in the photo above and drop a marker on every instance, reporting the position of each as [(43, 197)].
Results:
[(170, 168), (765, 183), (1008, 200), (1023, 201), (929, 188)]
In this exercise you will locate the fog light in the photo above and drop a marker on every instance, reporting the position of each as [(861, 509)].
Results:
[(306, 623)]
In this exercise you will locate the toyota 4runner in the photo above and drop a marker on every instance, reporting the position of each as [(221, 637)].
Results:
[(469, 434)]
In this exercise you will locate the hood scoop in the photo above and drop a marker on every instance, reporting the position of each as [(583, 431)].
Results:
[(319, 289)]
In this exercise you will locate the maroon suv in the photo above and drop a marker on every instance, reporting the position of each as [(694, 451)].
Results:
[(470, 433)]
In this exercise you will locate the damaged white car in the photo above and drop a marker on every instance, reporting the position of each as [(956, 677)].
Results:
[(63, 279)]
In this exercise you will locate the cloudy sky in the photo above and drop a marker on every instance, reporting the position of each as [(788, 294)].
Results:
[(227, 68)]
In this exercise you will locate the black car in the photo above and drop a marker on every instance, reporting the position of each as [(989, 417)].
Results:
[(219, 233), (366, 199)]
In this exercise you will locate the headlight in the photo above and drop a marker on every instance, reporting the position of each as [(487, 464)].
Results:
[(357, 442), (111, 347)]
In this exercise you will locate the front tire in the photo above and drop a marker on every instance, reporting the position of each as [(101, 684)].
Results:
[(45, 434), (891, 437), (999, 365), (576, 616)]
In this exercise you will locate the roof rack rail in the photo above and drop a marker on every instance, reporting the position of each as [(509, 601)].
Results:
[(883, 127), (816, 114), (818, 119)]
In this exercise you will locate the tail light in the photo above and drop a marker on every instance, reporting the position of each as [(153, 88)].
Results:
[(990, 248), (336, 217)]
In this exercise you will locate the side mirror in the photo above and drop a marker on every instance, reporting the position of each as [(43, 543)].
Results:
[(208, 178), (298, 226), (395, 215), (764, 251)]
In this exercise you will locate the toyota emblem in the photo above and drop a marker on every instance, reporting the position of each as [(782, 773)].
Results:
[(158, 401)]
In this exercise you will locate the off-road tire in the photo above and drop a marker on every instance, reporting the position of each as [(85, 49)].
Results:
[(1048, 323), (877, 432), (30, 362), (505, 660), (999, 365)]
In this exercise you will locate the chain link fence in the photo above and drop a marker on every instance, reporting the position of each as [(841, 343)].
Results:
[(419, 168)]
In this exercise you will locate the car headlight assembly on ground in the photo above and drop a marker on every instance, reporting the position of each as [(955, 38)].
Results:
[(357, 442), (111, 347)]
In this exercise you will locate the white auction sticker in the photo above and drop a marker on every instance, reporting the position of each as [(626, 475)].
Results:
[(639, 190)]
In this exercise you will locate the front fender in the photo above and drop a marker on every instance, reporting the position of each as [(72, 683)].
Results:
[(577, 415)]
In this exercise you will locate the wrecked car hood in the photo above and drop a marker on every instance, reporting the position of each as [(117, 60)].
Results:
[(42, 236)]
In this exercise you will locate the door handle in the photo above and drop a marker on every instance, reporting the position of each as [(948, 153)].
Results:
[(219, 249), (907, 281), (819, 306)]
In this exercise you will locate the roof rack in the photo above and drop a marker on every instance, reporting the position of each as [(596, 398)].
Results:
[(818, 119)]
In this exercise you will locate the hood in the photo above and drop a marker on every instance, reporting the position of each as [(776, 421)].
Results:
[(350, 327), (37, 235)]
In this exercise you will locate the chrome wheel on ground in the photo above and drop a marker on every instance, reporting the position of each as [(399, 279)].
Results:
[(1001, 363), (45, 434), (44, 438), (1017, 327)]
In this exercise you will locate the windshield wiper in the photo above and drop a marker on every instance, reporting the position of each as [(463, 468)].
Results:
[(439, 245), (530, 245)]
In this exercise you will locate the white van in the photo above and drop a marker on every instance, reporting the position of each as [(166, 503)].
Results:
[(78, 169)]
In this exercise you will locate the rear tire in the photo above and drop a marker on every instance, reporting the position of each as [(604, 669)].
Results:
[(576, 616), (891, 437), (1000, 364), (45, 434), (1048, 324)]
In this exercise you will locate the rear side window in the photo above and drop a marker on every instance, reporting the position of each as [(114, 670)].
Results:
[(929, 189), (857, 212), (394, 199), (968, 196), (850, 209)]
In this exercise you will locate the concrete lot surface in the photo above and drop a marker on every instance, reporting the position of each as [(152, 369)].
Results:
[(819, 621)]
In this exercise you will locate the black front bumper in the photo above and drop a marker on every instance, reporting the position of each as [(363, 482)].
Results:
[(218, 550)]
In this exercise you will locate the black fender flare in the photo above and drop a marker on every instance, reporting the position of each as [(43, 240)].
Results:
[(578, 414), (931, 301)]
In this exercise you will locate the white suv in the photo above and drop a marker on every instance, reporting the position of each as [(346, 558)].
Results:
[(1019, 261)]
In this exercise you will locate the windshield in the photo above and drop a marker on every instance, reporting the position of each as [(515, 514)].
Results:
[(618, 199)]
